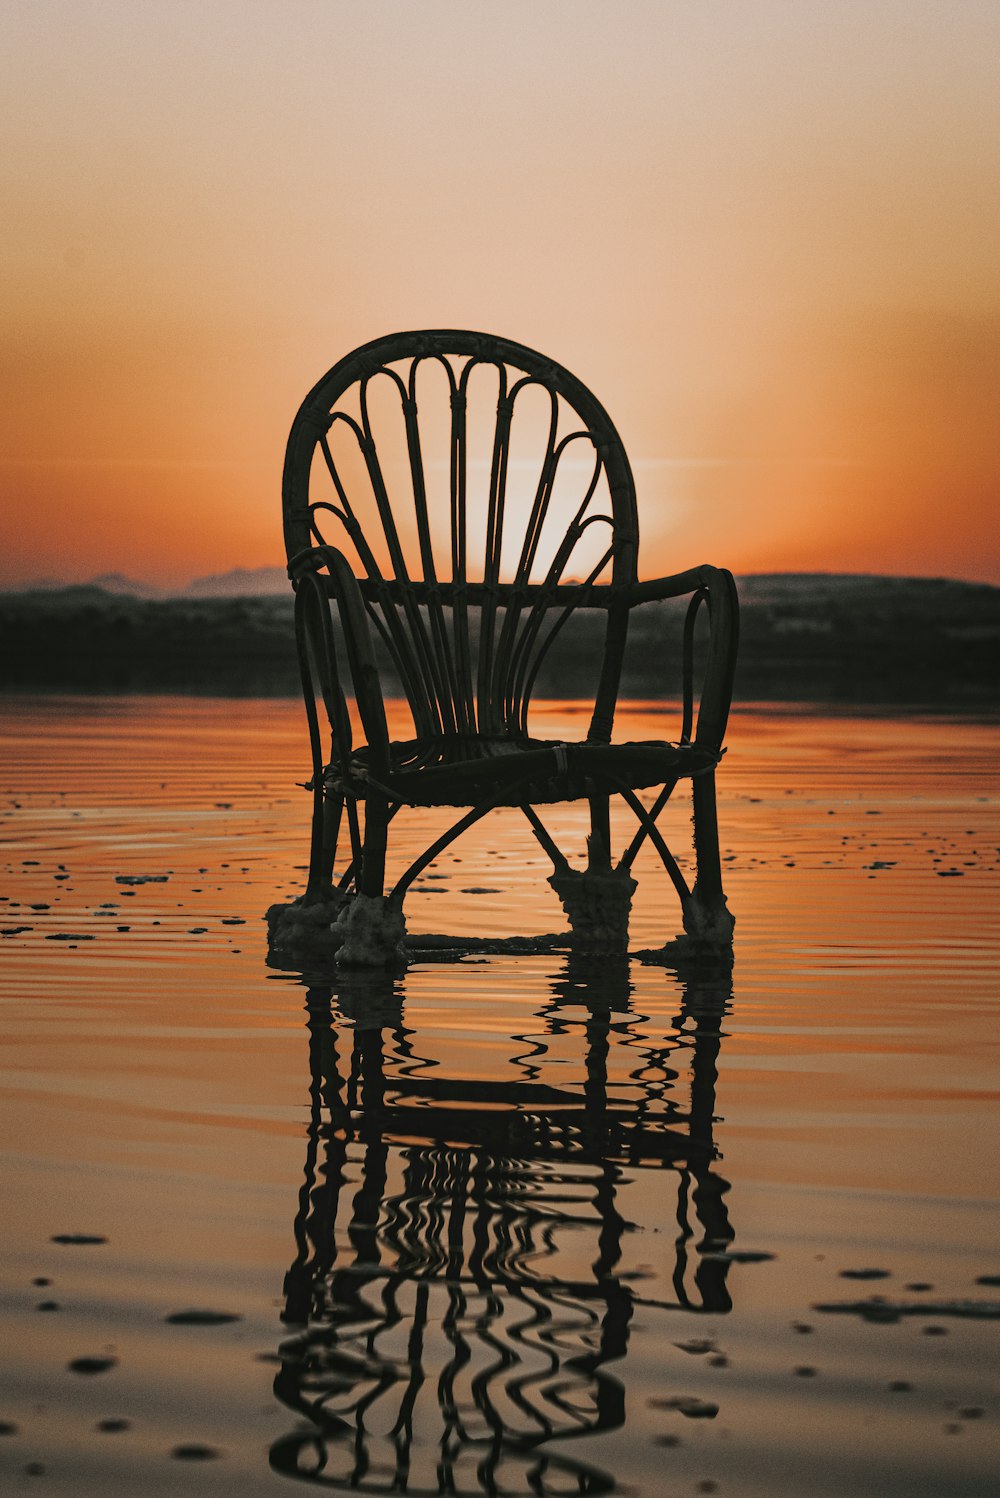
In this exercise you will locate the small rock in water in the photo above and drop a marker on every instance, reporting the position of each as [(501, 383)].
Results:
[(141, 878), (91, 1365), (804, 1372), (113, 1426), (48, 1305), (8, 1428), (988, 1279), (201, 1318), (737, 1256), (972, 1412), (75, 1239), (697, 1345), (900, 1386), (864, 1274), (688, 1405), (194, 1453), (69, 936), (877, 1308)]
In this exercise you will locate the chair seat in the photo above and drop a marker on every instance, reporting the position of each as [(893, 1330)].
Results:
[(468, 770)]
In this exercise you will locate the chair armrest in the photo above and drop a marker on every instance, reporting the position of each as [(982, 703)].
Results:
[(314, 595), (715, 588), (677, 585)]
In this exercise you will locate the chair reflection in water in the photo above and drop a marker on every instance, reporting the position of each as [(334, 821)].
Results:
[(467, 1320)]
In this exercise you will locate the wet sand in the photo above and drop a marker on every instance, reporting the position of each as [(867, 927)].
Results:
[(554, 1225)]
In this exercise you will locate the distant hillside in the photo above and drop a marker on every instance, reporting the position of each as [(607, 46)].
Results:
[(810, 637), (241, 582)]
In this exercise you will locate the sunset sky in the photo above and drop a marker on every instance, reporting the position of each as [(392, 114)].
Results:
[(766, 234)]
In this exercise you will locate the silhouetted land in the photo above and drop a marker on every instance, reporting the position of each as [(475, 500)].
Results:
[(811, 637)]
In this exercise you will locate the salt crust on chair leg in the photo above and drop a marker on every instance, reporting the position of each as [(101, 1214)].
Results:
[(304, 928), (597, 907), (371, 933), (708, 925)]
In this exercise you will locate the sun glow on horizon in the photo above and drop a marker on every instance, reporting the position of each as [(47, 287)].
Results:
[(759, 236)]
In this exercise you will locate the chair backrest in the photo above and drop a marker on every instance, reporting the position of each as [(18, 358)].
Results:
[(468, 480)]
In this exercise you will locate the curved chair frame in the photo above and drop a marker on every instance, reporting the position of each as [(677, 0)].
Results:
[(469, 696)]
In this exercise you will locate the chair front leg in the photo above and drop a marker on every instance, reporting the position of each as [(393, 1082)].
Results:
[(707, 919), (328, 809), (370, 927), (372, 879)]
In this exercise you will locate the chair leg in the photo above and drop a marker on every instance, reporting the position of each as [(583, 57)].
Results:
[(599, 841), (370, 928), (597, 900), (707, 919), (376, 837), (302, 929), (323, 849)]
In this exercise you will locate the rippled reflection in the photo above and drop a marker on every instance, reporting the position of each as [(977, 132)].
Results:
[(456, 1300)]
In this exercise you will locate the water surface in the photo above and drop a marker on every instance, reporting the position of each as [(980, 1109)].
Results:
[(509, 1224)]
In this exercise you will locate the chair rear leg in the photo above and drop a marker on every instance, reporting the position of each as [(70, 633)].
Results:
[(597, 900), (707, 919), (599, 841)]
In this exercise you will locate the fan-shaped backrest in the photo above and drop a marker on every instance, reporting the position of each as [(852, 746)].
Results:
[(468, 480)]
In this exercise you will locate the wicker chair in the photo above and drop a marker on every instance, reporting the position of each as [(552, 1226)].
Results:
[(466, 538)]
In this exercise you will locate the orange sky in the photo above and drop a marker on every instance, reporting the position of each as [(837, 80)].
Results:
[(766, 234)]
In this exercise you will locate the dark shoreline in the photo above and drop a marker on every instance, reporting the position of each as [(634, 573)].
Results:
[(847, 641)]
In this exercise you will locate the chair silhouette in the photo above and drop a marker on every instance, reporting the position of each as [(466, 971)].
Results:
[(445, 1336), (464, 534)]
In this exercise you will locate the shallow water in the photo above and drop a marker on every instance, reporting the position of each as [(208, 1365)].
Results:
[(515, 1223)]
